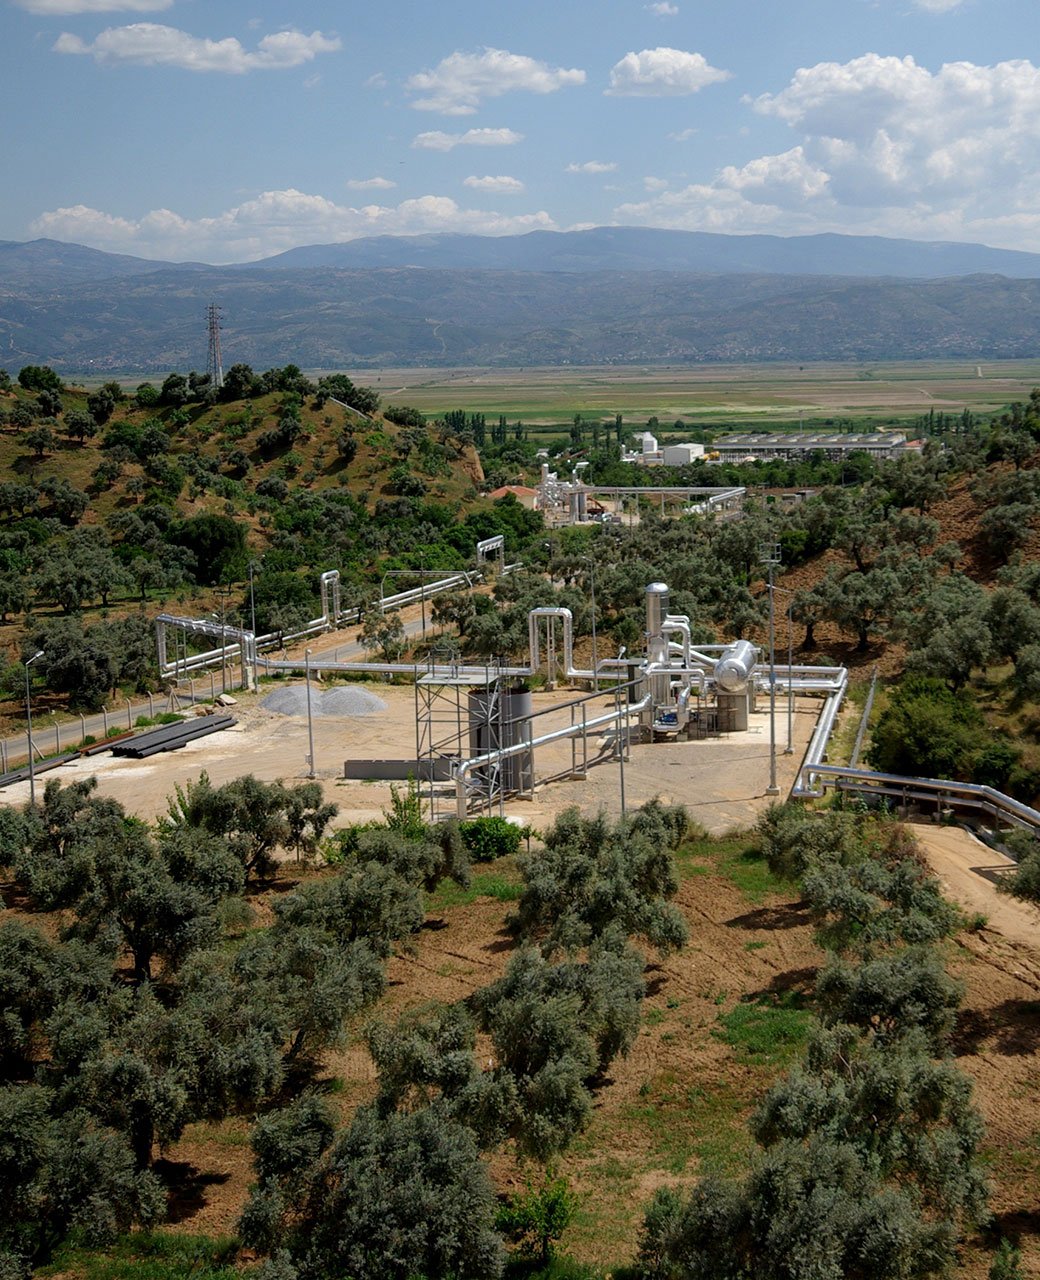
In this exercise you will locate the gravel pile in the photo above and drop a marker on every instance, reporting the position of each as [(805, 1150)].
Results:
[(344, 700)]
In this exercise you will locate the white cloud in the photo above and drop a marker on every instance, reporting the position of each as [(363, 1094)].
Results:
[(683, 135), (662, 73), (662, 9), (150, 44), (500, 186), (370, 184), (592, 166), (435, 140), (272, 222), (938, 6), (64, 8), (460, 82), (884, 146), (655, 184)]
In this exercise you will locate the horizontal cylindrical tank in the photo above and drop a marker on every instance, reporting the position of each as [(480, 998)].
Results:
[(733, 670)]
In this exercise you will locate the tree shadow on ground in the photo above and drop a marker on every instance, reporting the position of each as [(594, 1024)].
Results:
[(505, 940), (1011, 1028), (185, 1187), (787, 915), (802, 980), (1013, 1225)]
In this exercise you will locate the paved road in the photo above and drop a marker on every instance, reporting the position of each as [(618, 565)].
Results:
[(51, 736)]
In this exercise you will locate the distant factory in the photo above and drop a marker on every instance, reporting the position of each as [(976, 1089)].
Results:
[(650, 454), (762, 446), (797, 444)]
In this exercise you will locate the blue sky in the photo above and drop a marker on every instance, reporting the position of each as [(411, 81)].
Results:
[(228, 130)]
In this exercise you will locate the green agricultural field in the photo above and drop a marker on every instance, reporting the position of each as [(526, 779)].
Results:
[(719, 395)]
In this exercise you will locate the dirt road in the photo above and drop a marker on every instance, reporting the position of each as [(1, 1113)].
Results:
[(969, 871)]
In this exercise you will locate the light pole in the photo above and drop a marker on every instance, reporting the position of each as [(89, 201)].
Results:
[(422, 591), (310, 719), (28, 725), (770, 557), (790, 676), (252, 600), (789, 749), (595, 653), (224, 593)]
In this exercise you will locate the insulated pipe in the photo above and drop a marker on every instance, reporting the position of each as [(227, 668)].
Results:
[(385, 668), (568, 637), (682, 626), (569, 731), (805, 787), (329, 585), (978, 795)]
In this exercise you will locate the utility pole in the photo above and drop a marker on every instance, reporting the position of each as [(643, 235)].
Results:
[(770, 556)]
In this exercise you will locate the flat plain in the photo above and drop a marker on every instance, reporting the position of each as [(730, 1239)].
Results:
[(730, 395)]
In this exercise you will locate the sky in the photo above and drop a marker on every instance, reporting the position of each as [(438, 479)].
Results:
[(230, 130)]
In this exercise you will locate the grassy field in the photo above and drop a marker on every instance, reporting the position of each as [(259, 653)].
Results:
[(724, 395)]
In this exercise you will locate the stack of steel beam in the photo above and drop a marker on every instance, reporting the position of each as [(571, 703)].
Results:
[(170, 737)]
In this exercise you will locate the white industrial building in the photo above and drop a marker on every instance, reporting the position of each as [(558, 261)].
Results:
[(652, 454), (796, 444), (680, 455)]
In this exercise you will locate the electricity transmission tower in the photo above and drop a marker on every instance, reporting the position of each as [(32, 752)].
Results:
[(214, 367)]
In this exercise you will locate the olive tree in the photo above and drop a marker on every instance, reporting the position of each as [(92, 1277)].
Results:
[(394, 1196)]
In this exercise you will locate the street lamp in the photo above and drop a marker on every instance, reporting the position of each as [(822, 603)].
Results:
[(770, 557), (789, 749), (310, 720), (595, 658), (422, 591), (28, 723), (252, 598)]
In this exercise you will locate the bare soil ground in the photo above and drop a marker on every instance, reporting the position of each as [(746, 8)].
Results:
[(674, 1106), (997, 1041), (677, 1106)]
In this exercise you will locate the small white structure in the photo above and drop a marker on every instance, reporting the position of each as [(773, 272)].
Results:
[(679, 455)]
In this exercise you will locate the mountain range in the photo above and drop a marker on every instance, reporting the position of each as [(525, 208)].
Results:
[(604, 295)]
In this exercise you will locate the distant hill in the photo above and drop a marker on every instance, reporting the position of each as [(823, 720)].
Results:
[(650, 249), (357, 319), (50, 264)]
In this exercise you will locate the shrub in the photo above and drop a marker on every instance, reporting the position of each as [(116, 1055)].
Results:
[(537, 1218), (489, 838)]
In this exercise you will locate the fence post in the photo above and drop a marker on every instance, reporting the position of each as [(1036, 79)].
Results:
[(82, 726), (57, 738), (129, 715), (104, 713), (151, 706), (212, 686), (3, 754)]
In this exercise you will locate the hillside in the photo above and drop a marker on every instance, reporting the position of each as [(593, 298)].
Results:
[(325, 318)]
